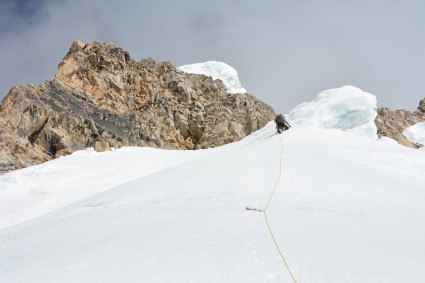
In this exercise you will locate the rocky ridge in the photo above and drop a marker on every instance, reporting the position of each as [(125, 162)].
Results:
[(391, 123), (100, 97)]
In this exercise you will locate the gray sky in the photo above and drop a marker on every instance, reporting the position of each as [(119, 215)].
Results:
[(285, 51)]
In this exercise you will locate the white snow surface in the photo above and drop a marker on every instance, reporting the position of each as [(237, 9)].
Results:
[(388, 140), (347, 108), (218, 71), (416, 133), (346, 209)]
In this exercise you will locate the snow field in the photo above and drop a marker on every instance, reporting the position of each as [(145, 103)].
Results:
[(184, 224), (347, 209)]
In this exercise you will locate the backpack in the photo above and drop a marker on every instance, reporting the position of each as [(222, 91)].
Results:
[(279, 119)]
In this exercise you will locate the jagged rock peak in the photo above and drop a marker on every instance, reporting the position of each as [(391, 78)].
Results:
[(100, 97)]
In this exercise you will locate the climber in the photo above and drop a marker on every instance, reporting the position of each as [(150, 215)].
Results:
[(281, 123)]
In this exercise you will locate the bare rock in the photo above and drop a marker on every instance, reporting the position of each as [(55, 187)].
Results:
[(100, 97), (391, 123)]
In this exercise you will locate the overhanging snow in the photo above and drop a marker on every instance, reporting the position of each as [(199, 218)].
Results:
[(346, 108)]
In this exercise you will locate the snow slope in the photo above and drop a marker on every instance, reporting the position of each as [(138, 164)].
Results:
[(28, 193), (416, 133), (346, 209), (218, 71), (346, 108)]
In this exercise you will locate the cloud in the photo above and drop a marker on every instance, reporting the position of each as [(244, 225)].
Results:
[(16, 15), (285, 51)]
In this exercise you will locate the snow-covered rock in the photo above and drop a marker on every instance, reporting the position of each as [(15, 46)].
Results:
[(416, 133), (218, 71), (346, 108)]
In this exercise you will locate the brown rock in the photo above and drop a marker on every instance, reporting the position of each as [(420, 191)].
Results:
[(102, 98), (391, 123)]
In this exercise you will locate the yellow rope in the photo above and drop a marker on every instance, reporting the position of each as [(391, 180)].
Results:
[(267, 221)]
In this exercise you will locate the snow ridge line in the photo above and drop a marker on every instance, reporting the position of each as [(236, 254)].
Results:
[(267, 221)]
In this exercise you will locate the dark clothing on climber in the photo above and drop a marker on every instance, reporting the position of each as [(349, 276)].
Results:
[(281, 123)]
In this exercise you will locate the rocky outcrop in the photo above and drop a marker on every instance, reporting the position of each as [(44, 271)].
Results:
[(102, 98), (391, 123)]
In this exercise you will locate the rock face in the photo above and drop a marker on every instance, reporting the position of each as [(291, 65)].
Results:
[(391, 123), (102, 98)]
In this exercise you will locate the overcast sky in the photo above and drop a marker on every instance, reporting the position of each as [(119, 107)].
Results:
[(285, 51)]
